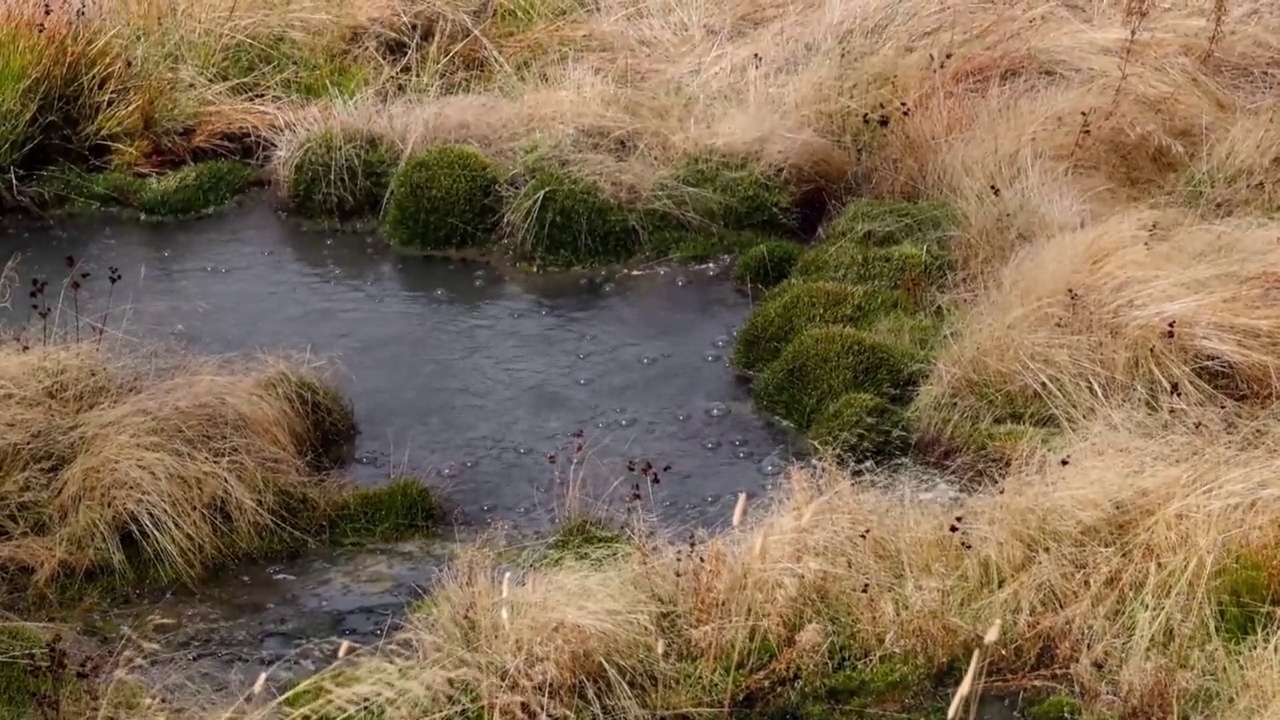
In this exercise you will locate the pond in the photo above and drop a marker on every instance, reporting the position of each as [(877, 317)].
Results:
[(458, 374)]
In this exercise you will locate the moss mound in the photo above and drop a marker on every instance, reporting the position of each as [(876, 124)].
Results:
[(339, 176), (911, 271), (444, 198), (796, 307), (860, 427), (882, 223), (583, 540), (831, 362), (561, 219), (768, 263), (194, 190), (730, 194), (405, 507)]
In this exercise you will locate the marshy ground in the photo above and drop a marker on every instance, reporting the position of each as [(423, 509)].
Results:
[(1029, 244)]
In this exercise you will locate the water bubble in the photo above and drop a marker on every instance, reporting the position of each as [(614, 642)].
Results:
[(584, 381), (516, 315), (582, 356), (771, 466), (268, 253), (717, 409), (523, 450), (478, 282), (328, 241), (648, 360), (609, 288), (739, 441), (709, 499), (584, 281), (682, 281), (600, 424), (768, 486), (469, 463), (742, 453), (710, 444), (487, 507), (522, 510), (619, 410), (627, 422), (450, 470), (711, 357), (722, 342), (589, 336), (544, 311), (734, 333), (668, 503), (441, 292), (682, 416), (478, 273)]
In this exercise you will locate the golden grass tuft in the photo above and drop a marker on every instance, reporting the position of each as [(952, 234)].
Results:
[(118, 460)]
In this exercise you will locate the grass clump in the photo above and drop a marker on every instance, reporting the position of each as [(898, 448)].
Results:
[(884, 223), (339, 176), (119, 462), (767, 264), (274, 64), (403, 508), (583, 539), (698, 246), (1053, 707), (69, 188), (560, 219), (444, 198), (860, 427), (831, 362), (194, 190), (727, 193), (796, 307)]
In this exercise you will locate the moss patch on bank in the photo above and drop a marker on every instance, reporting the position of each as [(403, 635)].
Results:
[(185, 193), (560, 219), (840, 346)]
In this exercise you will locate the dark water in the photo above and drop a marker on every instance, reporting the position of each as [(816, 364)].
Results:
[(456, 373)]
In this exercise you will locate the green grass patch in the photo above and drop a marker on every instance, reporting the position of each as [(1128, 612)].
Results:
[(444, 198), (403, 508), (33, 679), (560, 219), (583, 540), (277, 64), (193, 190), (860, 427), (767, 264), (698, 246), (884, 223), (1053, 707), (796, 307), (339, 176), (67, 188), (1245, 598), (831, 362)]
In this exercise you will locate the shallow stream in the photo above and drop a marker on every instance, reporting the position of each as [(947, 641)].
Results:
[(457, 373)]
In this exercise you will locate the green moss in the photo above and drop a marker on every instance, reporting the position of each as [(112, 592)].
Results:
[(728, 193), (29, 686), (768, 263), (340, 176), (912, 271), (328, 426), (194, 190), (860, 427), (69, 188), (444, 198), (583, 540), (831, 362), (404, 507), (796, 307), (696, 246), (883, 223), (1244, 598), (1054, 707), (561, 219)]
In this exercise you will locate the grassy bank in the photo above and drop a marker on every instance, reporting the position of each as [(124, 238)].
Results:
[(123, 464), (1044, 259)]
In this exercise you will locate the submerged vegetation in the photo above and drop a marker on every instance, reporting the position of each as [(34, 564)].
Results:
[(1029, 246)]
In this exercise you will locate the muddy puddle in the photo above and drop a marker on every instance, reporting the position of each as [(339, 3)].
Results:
[(457, 373)]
